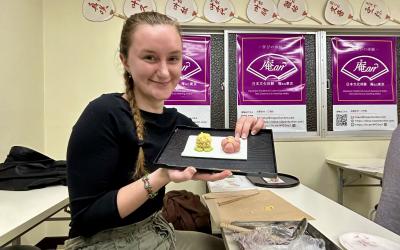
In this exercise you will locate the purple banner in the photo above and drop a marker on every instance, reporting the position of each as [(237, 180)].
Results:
[(270, 69), (364, 70), (194, 87)]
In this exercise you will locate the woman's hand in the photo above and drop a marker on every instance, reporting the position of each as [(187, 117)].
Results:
[(213, 176), (245, 124), (190, 173)]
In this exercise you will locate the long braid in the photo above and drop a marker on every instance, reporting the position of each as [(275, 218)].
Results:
[(139, 125), (151, 18)]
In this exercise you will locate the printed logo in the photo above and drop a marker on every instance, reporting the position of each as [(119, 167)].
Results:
[(189, 67), (272, 66), (364, 67)]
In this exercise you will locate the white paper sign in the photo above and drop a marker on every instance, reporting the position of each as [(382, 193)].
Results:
[(364, 117), (279, 118)]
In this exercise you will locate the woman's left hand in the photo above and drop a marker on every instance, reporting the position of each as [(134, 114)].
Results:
[(248, 124)]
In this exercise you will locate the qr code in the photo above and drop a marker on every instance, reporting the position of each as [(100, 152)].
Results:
[(341, 119)]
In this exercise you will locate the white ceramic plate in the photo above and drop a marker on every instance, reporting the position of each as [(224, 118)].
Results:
[(217, 149), (363, 241)]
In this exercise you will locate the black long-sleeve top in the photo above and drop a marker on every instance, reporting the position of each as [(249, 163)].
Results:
[(101, 157)]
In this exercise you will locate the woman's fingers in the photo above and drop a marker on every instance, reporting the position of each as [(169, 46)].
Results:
[(245, 124), (260, 124), (239, 126), (189, 172), (248, 124)]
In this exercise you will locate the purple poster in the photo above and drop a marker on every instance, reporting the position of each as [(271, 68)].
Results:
[(194, 87), (364, 70), (270, 69)]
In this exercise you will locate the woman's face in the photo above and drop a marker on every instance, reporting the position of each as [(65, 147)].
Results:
[(155, 62)]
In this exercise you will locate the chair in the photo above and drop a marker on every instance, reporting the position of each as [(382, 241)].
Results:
[(387, 214), (21, 247)]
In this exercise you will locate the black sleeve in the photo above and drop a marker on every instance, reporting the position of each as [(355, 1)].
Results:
[(92, 156)]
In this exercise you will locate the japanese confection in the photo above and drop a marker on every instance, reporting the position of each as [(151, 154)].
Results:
[(230, 145), (203, 142)]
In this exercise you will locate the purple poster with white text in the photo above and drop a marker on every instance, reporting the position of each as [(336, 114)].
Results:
[(194, 87), (364, 91), (364, 70), (270, 69)]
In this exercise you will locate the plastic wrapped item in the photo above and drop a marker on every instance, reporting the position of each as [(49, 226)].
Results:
[(275, 236)]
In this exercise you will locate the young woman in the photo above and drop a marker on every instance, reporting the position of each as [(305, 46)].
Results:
[(115, 191)]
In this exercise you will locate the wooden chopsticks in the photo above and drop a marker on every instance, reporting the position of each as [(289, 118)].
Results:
[(221, 203)]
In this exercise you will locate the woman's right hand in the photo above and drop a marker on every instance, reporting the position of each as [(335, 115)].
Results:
[(190, 173), (177, 176)]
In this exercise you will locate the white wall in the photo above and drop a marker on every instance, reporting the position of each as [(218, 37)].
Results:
[(21, 75), (21, 79), (81, 63), (55, 62)]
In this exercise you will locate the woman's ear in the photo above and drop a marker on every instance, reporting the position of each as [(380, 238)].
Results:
[(124, 61)]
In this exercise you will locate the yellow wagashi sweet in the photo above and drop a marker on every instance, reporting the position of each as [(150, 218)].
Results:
[(203, 142)]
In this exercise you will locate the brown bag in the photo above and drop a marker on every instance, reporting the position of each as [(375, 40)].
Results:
[(186, 212)]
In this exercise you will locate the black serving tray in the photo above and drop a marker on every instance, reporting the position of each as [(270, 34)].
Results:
[(260, 161)]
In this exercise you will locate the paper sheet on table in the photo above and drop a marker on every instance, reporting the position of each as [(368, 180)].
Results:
[(217, 149), (264, 206), (232, 183)]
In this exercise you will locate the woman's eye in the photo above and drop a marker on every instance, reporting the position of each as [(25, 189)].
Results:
[(149, 58), (175, 59)]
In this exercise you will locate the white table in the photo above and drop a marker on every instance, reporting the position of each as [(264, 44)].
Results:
[(20, 211), (331, 218), (371, 167)]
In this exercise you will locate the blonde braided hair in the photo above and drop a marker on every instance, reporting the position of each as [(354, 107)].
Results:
[(130, 26)]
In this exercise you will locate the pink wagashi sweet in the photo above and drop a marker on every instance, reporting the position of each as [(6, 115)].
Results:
[(230, 145)]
